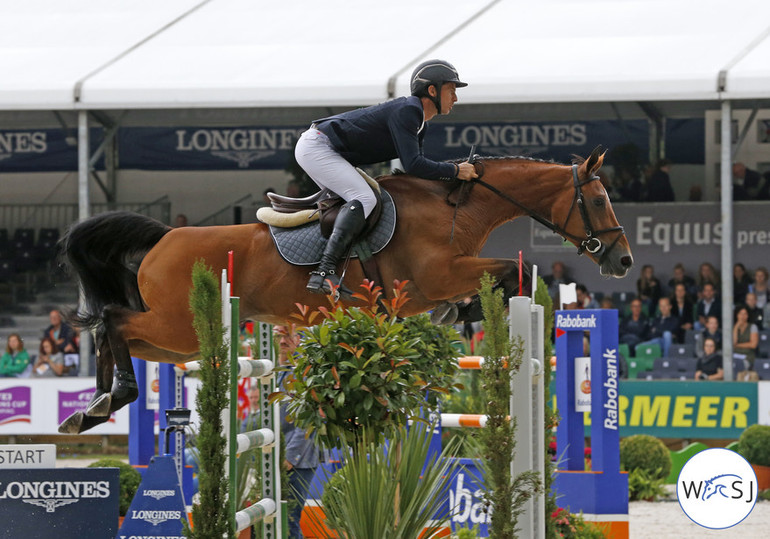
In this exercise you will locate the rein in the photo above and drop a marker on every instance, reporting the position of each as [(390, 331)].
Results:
[(591, 242)]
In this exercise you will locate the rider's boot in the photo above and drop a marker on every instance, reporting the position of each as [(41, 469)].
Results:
[(347, 226)]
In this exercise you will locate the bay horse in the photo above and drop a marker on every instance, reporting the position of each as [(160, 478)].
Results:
[(136, 272)]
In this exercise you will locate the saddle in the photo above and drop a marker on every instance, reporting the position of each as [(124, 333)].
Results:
[(288, 212)]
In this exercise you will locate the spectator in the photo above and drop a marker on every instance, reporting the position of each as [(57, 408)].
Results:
[(648, 288), (50, 362), (746, 182), (301, 457), (761, 288), (252, 418), (708, 305), (741, 283), (696, 193), (707, 274), (558, 276), (756, 315), (61, 333), (180, 220), (659, 186), (681, 277), (584, 299), (711, 331), (709, 367), (664, 328), (16, 359), (606, 303), (745, 336), (683, 309), (634, 328)]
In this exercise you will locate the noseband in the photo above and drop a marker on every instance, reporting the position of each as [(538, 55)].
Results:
[(591, 242)]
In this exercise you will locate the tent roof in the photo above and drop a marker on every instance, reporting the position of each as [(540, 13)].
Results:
[(241, 54)]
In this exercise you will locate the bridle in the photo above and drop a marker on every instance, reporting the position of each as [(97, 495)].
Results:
[(591, 242)]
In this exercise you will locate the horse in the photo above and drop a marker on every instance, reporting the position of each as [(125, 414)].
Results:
[(135, 272)]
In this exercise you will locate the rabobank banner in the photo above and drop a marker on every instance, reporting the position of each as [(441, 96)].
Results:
[(265, 147)]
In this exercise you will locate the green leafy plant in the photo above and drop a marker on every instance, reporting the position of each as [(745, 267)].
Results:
[(365, 371), (644, 485), (647, 453), (390, 491), (754, 445), (212, 516), (129, 480), (506, 494), (466, 533)]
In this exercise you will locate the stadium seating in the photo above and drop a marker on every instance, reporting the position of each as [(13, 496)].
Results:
[(764, 343), (649, 351), (762, 367), (682, 350)]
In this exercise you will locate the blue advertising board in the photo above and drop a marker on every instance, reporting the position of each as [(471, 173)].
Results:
[(65, 503)]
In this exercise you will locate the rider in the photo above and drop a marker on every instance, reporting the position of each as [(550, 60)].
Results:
[(331, 149)]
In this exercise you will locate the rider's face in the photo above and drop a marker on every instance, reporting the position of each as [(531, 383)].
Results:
[(448, 96)]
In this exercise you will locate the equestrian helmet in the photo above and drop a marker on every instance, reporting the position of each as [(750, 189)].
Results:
[(433, 72)]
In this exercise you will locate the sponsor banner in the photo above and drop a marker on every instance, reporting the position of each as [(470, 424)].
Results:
[(675, 409), (66, 503), (467, 505), (37, 406), (545, 140), (44, 150), (583, 384), (25, 456), (271, 147), (763, 396)]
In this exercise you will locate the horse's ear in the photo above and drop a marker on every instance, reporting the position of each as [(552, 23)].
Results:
[(595, 160)]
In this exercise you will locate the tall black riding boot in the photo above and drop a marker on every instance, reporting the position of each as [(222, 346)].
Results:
[(348, 225)]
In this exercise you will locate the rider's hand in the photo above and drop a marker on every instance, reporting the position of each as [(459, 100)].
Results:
[(466, 171)]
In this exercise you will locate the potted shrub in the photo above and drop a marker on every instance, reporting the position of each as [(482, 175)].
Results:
[(648, 462), (754, 446), (129, 481)]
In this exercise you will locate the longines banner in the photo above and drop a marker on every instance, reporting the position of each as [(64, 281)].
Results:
[(270, 147)]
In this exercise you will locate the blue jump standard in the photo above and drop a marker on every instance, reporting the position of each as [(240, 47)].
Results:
[(603, 491)]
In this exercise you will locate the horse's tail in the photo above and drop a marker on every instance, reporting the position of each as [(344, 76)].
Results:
[(105, 252)]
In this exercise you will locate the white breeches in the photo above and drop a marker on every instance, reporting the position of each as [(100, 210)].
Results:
[(328, 169)]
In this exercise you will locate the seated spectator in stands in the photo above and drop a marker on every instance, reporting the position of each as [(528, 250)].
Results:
[(606, 303), (708, 305), (62, 333), (746, 182), (16, 359), (664, 329), (648, 288), (741, 283), (50, 362), (761, 288), (558, 276), (711, 331), (681, 277), (633, 329), (659, 185), (584, 299), (707, 273), (709, 366), (683, 309), (745, 336), (756, 315), (180, 220)]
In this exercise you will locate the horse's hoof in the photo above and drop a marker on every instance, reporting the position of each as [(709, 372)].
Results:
[(101, 406), (73, 424), (444, 314)]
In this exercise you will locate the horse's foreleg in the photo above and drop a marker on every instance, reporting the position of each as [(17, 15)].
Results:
[(464, 274)]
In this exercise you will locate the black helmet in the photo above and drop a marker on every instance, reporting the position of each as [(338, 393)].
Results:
[(434, 72)]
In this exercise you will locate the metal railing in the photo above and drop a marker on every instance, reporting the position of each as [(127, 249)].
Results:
[(61, 215)]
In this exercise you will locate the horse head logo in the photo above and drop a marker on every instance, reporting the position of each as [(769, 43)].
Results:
[(716, 485)]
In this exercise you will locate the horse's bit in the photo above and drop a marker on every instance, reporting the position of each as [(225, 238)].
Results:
[(591, 242)]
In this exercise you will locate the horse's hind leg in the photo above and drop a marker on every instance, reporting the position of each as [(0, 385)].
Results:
[(114, 389)]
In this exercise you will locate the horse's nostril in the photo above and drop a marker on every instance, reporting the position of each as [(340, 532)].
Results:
[(627, 261)]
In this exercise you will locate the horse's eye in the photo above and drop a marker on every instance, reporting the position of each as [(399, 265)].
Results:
[(599, 202)]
